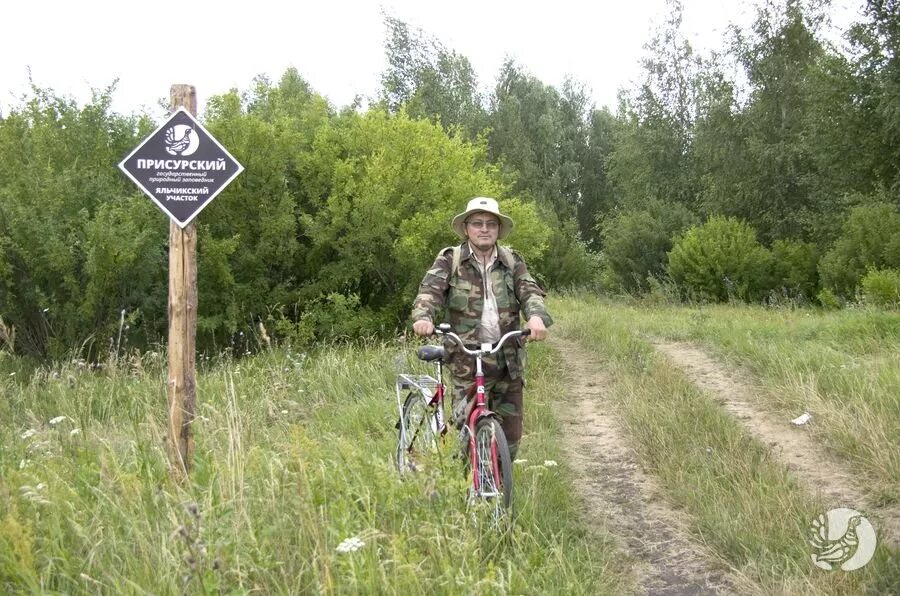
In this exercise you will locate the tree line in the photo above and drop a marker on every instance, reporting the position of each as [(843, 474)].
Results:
[(766, 171)]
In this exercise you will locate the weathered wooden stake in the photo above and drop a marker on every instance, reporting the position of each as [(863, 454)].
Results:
[(182, 387)]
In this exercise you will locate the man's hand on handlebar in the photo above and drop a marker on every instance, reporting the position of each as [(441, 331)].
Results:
[(423, 327), (538, 330)]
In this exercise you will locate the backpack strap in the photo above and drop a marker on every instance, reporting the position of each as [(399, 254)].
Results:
[(506, 257), (457, 257)]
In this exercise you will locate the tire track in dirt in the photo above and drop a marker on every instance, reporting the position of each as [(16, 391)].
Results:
[(618, 496), (819, 471)]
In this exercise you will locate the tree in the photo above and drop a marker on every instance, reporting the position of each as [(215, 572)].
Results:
[(636, 242), (538, 135), (65, 274), (763, 161), (598, 196), (396, 184), (250, 243), (652, 153), (876, 66), (430, 81)]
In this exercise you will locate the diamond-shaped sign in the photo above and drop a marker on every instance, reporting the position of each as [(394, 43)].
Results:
[(181, 167)]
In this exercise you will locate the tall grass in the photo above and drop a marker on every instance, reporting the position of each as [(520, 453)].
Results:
[(293, 458), (739, 500)]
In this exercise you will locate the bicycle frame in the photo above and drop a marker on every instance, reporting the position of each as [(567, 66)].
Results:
[(480, 408)]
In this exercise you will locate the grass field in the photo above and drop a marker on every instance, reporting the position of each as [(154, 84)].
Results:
[(294, 460)]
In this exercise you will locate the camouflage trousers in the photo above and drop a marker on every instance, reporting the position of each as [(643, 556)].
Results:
[(504, 392)]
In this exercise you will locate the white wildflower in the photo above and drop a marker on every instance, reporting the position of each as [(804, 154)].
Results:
[(74, 431), (350, 545), (521, 461), (22, 464), (28, 433), (284, 411), (57, 420), (12, 374), (549, 463)]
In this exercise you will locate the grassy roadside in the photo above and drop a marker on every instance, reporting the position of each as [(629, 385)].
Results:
[(293, 460), (742, 503)]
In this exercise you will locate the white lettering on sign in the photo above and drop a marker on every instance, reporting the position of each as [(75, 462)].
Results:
[(189, 195), (182, 191), (181, 164)]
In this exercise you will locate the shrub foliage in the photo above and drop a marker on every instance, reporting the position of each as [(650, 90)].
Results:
[(331, 226), (869, 238), (721, 260)]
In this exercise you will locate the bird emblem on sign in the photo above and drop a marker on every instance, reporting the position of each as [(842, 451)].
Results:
[(181, 140), (833, 552)]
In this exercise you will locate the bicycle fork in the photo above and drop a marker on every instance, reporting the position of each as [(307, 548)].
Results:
[(479, 412)]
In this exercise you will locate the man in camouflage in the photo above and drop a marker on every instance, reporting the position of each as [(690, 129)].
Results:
[(484, 297)]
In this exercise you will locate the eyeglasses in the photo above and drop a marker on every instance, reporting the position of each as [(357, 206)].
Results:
[(490, 224)]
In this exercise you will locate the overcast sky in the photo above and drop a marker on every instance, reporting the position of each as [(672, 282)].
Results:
[(336, 45)]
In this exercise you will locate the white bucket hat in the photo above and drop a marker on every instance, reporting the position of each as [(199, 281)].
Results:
[(485, 205)]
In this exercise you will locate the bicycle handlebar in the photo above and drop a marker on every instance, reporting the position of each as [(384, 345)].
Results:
[(486, 348)]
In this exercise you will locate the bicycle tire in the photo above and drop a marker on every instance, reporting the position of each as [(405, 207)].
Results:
[(493, 466), (417, 433)]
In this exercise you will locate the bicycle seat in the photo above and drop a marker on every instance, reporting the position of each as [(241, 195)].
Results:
[(431, 353)]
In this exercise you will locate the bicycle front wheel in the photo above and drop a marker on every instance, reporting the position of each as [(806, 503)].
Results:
[(492, 473), (418, 433)]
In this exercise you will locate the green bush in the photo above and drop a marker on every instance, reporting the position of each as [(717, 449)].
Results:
[(795, 268), (567, 262), (635, 243), (73, 252), (828, 300), (335, 317), (721, 260), (881, 287), (870, 238)]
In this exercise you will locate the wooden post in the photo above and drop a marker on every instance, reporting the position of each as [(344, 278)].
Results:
[(182, 387)]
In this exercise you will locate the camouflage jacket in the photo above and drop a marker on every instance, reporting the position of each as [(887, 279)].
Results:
[(461, 294)]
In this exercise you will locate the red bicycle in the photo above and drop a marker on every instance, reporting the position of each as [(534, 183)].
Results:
[(422, 421)]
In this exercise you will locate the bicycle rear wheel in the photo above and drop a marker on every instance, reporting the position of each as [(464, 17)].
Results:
[(492, 475), (418, 431)]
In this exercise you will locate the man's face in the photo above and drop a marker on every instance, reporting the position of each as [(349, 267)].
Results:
[(482, 230)]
